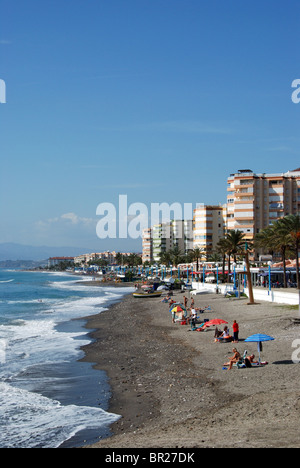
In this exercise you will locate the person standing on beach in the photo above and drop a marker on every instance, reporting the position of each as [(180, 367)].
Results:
[(235, 328)]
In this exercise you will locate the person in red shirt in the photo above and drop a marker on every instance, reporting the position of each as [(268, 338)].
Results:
[(235, 328)]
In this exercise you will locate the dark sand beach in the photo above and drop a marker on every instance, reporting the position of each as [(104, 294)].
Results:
[(168, 382)]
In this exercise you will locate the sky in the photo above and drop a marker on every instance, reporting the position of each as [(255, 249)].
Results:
[(155, 100)]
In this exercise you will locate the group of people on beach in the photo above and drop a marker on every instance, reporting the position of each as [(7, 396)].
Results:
[(220, 336), (236, 358), (225, 335)]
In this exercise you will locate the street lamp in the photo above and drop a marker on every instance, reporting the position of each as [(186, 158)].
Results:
[(270, 285), (244, 265), (217, 288), (234, 275)]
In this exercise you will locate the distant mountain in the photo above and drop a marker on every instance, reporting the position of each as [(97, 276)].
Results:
[(12, 251), (28, 264)]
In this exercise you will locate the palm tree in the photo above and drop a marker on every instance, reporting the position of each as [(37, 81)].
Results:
[(265, 239), (134, 259), (236, 242), (197, 254), (165, 258), (176, 255), (290, 226), (119, 258), (222, 249), (236, 245), (274, 238)]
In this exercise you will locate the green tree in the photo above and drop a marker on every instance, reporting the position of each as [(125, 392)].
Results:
[(222, 249), (290, 226), (176, 256), (165, 258), (275, 239), (197, 254), (119, 258), (235, 241)]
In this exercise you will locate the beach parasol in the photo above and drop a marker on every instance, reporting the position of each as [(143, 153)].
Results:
[(174, 304), (259, 338), (177, 309), (215, 322)]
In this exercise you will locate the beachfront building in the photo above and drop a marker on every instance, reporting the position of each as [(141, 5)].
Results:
[(92, 257), (166, 236), (255, 201), (182, 235), (161, 240), (108, 256), (55, 261), (147, 254), (208, 227)]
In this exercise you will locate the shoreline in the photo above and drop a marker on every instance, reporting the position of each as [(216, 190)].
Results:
[(167, 382)]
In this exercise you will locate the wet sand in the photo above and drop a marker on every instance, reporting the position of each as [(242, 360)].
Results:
[(168, 382)]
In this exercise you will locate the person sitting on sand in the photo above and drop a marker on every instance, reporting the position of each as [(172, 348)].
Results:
[(235, 358), (225, 335), (218, 333)]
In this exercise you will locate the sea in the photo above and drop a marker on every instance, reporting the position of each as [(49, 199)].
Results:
[(48, 397)]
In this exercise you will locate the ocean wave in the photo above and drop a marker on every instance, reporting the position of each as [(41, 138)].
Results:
[(38, 342), (38, 335), (42, 422)]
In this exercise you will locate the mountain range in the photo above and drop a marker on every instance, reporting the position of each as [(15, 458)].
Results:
[(12, 251)]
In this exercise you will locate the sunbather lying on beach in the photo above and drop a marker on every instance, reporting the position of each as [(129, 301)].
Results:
[(250, 360)]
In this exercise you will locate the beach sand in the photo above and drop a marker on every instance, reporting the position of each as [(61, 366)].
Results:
[(168, 382)]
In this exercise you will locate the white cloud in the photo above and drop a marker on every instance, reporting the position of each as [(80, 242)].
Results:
[(188, 126), (74, 219), (65, 220)]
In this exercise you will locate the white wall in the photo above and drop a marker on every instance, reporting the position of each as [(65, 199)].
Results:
[(276, 296)]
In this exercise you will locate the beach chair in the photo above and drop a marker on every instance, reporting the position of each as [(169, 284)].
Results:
[(242, 363), (195, 327)]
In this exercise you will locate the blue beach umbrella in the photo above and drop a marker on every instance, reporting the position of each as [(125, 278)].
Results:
[(259, 338)]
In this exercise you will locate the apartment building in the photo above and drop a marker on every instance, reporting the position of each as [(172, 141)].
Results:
[(161, 240), (182, 235), (166, 236), (108, 256), (55, 261), (208, 227), (254, 201), (147, 254)]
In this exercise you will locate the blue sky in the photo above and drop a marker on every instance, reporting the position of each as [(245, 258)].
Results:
[(157, 99)]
